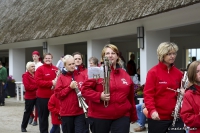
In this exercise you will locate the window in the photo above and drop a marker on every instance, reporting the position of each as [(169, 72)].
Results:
[(195, 52)]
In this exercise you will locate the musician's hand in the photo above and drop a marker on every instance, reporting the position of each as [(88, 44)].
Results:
[(105, 97), (182, 91), (53, 82), (73, 84), (3, 83), (155, 116)]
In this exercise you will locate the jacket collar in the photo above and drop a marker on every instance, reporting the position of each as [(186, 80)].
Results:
[(47, 65), (163, 66), (80, 68)]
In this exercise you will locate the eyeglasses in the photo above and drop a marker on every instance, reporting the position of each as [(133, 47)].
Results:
[(170, 54)]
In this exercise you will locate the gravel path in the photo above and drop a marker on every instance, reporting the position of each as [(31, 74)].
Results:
[(11, 118)]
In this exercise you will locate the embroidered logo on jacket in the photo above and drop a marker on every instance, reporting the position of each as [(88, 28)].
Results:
[(124, 81), (80, 84), (162, 82)]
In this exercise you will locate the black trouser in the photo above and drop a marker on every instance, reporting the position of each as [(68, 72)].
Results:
[(121, 125), (163, 126), (29, 104), (43, 113), (2, 93), (73, 124)]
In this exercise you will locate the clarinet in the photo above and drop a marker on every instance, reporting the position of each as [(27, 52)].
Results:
[(81, 100), (175, 113)]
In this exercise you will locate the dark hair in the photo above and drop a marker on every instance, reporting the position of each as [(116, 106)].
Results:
[(194, 58), (0, 63), (78, 53)]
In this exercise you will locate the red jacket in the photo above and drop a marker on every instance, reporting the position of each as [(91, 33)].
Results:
[(121, 97), (190, 111), (67, 96), (54, 108), (83, 70), (44, 76), (156, 95), (29, 85)]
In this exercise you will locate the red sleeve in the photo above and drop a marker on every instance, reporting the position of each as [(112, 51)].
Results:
[(149, 92), (29, 84), (88, 91), (133, 113), (187, 112), (62, 90), (52, 105), (39, 76)]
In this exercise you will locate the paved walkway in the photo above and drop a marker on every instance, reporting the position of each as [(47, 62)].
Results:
[(11, 117)]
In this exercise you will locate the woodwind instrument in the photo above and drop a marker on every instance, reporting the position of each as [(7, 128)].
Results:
[(81, 100), (175, 113), (106, 85)]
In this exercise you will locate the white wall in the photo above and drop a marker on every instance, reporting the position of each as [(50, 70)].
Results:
[(57, 51), (17, 63), (149, 53), (94, 48)]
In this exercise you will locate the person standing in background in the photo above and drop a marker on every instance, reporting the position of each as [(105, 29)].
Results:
[(60, 64), (131, 66), (193, 59), (36, 58), (44, 77), (30, 94), (3, 79), (79, 63), (93, 61), (37, 62)]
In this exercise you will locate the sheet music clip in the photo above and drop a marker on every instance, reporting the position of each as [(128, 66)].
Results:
[(95, 73)]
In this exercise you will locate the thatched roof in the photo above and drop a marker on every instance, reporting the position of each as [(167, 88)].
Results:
[(23, 20)]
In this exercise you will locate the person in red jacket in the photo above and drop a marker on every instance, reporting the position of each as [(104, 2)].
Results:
[(45, 76), (54, 108), (159, 100), (30, 94), (36, 60), (73, 118), (116, 117), (78, 58), (191, 105)]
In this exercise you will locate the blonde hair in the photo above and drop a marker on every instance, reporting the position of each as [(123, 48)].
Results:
[(65, 58), (28, 64), (192, 72), (115, 49), (165, 48)]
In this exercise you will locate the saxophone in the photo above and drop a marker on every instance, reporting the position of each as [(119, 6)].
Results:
[(106, 85), (175, 113)]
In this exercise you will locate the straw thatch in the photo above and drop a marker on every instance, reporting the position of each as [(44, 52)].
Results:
[(23, 20)]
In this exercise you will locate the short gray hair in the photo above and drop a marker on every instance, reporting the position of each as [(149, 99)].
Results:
[(164, 48), (28, 64)]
